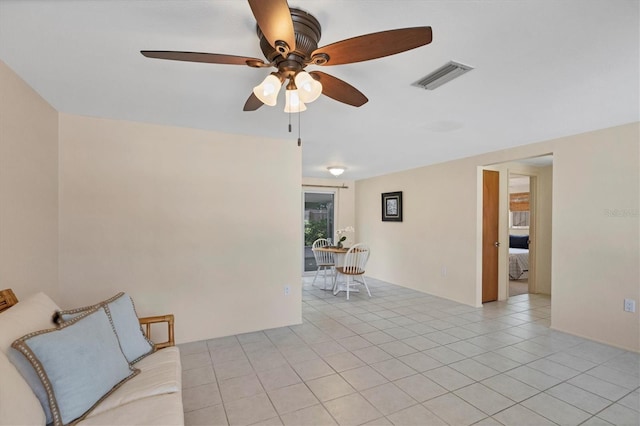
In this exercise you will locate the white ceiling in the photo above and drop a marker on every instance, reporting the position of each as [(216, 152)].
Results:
[(543, 69)]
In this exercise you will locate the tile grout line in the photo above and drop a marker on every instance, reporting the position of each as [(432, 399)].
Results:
[(324, 318)]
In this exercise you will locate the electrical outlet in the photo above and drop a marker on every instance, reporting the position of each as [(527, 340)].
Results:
[(443, 271), (629, 305), (287, 290)]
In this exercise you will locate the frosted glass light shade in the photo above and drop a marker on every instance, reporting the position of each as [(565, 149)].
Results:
[(308, 88), (267, 91), (336, 170), (294, 104)]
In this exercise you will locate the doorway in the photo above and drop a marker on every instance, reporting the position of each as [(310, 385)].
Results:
[(539, 172), (318, 221)]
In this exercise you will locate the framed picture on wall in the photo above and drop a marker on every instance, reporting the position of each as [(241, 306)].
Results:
[(392, 206)]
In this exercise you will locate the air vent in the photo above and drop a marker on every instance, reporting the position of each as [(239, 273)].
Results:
[(442, 75)]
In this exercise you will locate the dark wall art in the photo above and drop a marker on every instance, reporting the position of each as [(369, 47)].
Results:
[(392, 206)]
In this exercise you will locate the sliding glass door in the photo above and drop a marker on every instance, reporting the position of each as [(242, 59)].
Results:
[(319, 220)]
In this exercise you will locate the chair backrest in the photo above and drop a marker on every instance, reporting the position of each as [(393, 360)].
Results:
[(322, 257), (356, 259)]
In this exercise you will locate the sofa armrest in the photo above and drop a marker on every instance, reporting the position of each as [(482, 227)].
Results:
[(7, 299), (148, 321)]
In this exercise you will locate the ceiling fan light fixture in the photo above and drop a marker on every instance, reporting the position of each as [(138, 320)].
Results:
[(309, 89), (267, 91), (294, 104), (336, 170)]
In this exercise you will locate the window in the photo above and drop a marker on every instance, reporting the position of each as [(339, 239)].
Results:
[(318, 222), (519, 204), (519, 219)]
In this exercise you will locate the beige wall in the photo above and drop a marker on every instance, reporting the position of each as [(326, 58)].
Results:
[(28, 189), (184, 220), (594, 258), (89, 207), (596, 261), (438, 229)]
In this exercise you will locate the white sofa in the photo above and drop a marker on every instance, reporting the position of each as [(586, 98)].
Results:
[(153, 397)]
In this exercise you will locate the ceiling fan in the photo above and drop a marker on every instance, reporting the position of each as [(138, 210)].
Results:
[(289, 41)]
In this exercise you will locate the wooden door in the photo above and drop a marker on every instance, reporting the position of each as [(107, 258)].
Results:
[(490, 207)]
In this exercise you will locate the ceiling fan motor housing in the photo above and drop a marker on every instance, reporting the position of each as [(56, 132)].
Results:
[(307, 33)]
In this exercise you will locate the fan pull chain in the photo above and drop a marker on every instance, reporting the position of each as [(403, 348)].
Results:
[(289, 121), (299, 140)]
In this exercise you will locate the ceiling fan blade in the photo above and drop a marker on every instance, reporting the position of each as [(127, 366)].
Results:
[(253, 103), (210, 58), (375, 45), (339, 90), (274, 20)]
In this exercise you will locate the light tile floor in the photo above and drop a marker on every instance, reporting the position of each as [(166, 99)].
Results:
[(404, 357)]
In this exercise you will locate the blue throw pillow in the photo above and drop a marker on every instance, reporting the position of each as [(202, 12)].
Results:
[(519, 241), (77, 364), (135, 344)]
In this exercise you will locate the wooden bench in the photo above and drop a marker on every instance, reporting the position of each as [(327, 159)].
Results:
[(7, 299)]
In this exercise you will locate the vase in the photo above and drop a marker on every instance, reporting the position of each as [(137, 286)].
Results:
[(339, 244)]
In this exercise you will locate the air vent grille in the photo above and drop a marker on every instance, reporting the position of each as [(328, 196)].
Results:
[(442, 75)]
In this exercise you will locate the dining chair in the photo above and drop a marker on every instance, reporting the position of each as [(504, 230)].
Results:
[(324, 259), (353, 266)]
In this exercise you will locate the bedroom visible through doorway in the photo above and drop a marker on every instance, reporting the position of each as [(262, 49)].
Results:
[(520, 216)]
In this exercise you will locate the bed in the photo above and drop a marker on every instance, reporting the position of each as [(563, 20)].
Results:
[(518, 257)]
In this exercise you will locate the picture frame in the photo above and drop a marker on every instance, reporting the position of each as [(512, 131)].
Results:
[(392, 206)]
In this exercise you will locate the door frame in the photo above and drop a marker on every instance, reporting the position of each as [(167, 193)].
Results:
[(305, 191), (503, 259), (533, 216)]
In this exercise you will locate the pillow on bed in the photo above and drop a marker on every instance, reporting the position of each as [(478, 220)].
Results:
[(519, 241)]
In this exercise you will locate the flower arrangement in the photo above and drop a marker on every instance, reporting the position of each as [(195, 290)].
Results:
[(341, 236)]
